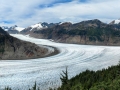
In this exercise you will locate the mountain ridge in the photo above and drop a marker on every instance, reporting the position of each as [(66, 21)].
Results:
[(89, 32)]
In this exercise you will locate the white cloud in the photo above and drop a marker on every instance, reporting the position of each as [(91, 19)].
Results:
[(24, 13)]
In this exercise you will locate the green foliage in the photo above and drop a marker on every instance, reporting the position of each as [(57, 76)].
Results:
[(35, 87), (64, 77), (77, 32), (7, 88), (2, 43), (92, 38), (106, 79), (1, 49)]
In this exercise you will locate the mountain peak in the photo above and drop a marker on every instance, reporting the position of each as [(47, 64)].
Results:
[(38, 25), (15, 26), (66, 24), (92, 21), (117, 21)]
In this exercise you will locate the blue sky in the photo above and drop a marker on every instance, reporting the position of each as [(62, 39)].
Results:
[(25, 13)]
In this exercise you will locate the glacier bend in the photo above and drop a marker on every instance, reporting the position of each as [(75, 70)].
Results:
[(46, 71)]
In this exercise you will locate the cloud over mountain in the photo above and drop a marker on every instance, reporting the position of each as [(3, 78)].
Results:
[(25, 13)]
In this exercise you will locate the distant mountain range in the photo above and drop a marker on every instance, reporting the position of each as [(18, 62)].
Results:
[(14, 29), (93, 32), (38, 26)]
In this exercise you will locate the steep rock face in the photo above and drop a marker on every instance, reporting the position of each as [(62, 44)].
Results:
[(13, 48)]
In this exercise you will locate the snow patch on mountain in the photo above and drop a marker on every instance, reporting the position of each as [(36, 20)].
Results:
[(5, 28), (19, 28), (15, 27), (117, 21), (61, 23), (37, 25)]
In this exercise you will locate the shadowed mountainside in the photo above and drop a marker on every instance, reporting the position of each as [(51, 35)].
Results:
[(13, 48)]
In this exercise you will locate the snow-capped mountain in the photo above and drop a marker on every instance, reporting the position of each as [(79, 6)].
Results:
[(19, 28), (115, 21), (43, 25), (5, 28), (38, 26), (13, 29)]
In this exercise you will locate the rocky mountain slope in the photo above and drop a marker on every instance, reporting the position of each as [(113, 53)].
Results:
[(13, 48), (92, 32)]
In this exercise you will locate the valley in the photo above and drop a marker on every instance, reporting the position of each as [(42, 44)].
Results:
[(59, 45), (91, 45), (46, 71)]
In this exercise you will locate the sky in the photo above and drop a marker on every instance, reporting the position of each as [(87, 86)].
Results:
[(28, 12)]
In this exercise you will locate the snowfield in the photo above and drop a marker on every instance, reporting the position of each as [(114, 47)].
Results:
[(46, 71)]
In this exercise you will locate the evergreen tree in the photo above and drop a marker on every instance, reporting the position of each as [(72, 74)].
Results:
[(7, 88), (34, 87), (64, 77)]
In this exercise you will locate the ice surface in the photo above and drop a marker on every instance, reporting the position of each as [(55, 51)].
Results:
[(46, 71)]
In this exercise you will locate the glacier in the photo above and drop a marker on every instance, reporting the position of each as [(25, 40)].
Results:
[(22, 74)]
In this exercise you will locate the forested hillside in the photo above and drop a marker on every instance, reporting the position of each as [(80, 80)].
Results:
[(105, 79)]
